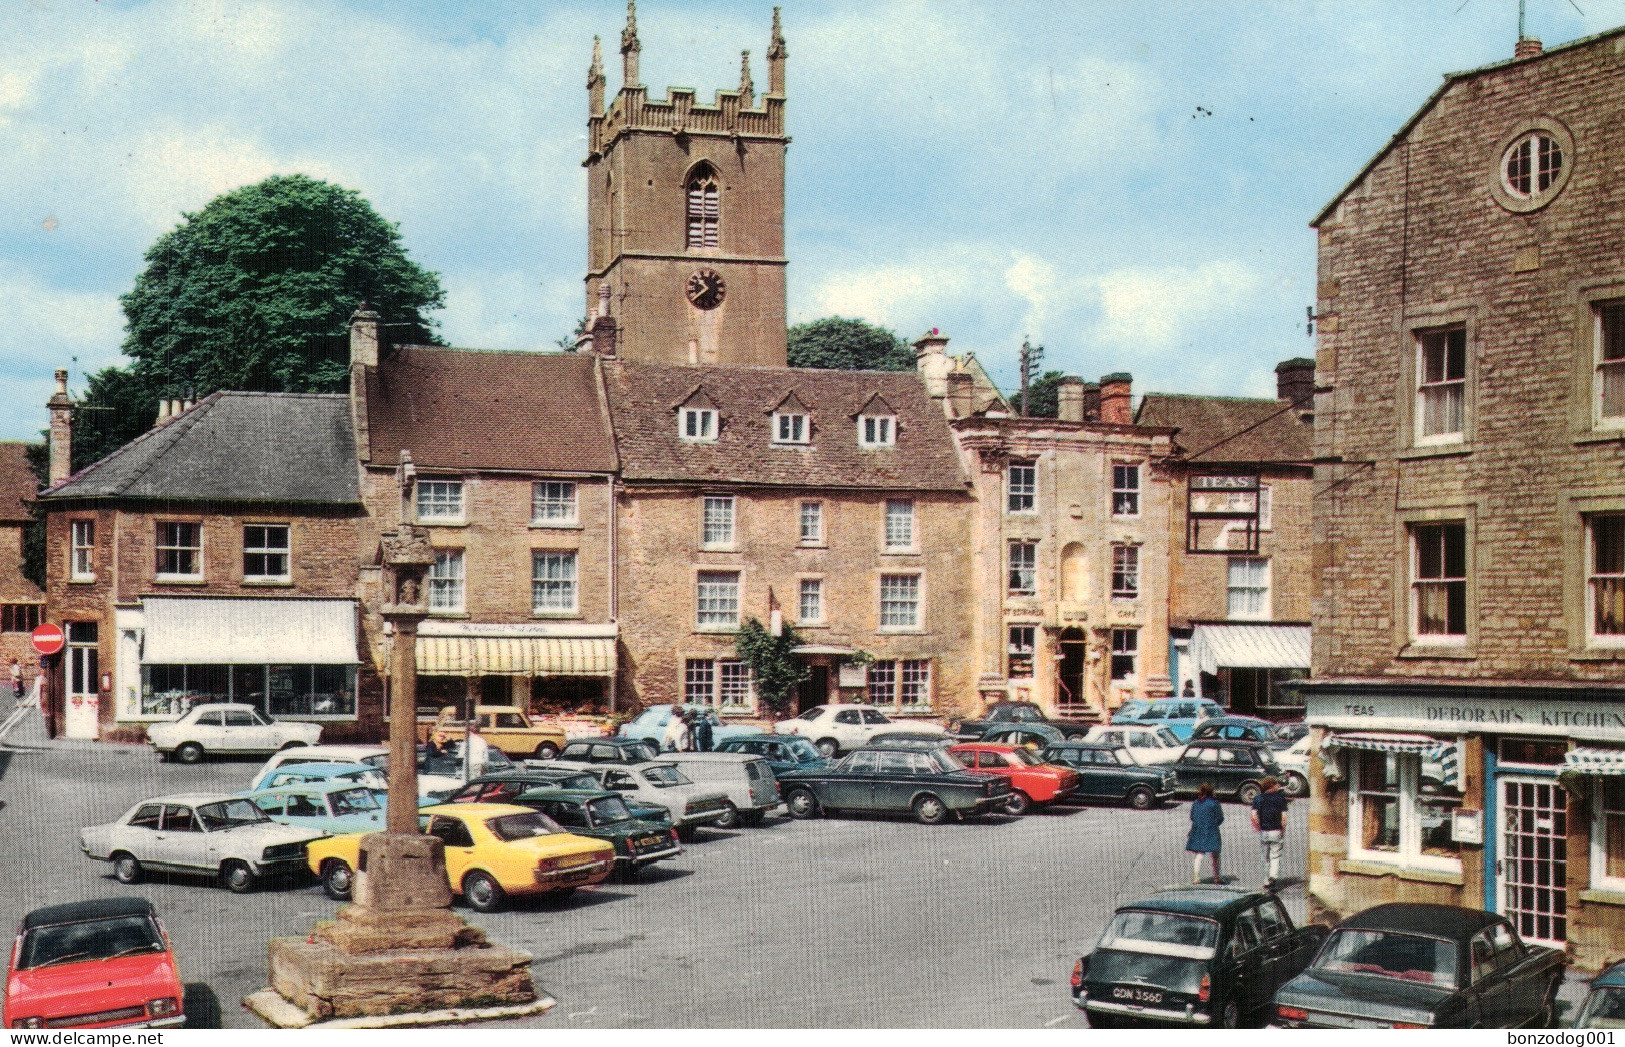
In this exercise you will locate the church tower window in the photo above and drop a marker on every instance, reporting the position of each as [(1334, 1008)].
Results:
[(704, 210)]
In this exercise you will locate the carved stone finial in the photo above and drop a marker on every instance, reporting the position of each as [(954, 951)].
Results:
[(775, 47), (595, 72), (629, 35), (747, 90)]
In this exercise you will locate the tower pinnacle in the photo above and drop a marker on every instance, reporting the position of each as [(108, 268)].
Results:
[(747, 90), (595, 80), (630, 47), (776, 54)]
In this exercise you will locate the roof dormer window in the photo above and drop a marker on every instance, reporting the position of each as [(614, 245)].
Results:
[(877, 430), (697, 424), (790, 427)]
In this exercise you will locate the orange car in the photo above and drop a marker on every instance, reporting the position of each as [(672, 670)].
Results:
[(1032, 781)]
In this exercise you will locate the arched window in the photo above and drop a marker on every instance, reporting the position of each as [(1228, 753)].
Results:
[(704, 211)]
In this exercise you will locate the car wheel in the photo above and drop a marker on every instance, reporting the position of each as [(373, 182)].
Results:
[(1247, 793), (1141, 799), (1296, 785), (1018, 803), (238, 877), (483, 893), (828, 748), (547, 751), (802, 803), (189, 752), (1230, 1017), (125, 868), (928, 810), (1097, 1020), (337, 880), (730, 820), (295, 744)]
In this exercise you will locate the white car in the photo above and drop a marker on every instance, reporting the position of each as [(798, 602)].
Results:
[(1294, 761), (226, 727), (224, 836), (1149, 744), (838, 728), (434, 786)]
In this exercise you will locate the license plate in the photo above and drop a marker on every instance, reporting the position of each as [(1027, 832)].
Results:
[(1136, 994), (580, 859), (650, 841)]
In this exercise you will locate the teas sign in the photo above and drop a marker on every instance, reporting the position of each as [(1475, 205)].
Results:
[(48, 639)]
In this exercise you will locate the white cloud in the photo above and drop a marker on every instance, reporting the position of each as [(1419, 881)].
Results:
[(1155, 309)]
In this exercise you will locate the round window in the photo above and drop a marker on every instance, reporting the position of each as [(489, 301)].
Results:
[(1536, 160)]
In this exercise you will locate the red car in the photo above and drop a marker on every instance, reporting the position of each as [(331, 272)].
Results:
[(1032, 781), (100, 964)]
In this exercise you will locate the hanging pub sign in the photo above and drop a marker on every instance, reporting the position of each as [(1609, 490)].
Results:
[(1221, 513)]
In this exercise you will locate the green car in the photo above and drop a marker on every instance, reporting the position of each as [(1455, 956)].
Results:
[(604, 816)]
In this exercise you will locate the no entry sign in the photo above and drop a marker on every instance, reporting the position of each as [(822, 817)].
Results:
[(48, 639)]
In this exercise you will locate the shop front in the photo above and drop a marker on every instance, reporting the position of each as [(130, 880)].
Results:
[(1504, 798), (292, 658), (1246, 667), (543, 668)]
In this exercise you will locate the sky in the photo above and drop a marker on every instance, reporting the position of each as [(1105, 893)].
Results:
[(1128, 184)]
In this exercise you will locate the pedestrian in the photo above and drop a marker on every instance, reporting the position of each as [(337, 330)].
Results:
[(672, 738), (703, 733), (16, 680), (687, 744), (1207, 814), (1269, 818)]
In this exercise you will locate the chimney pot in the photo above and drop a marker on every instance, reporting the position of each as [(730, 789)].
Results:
[(60, 441), (365, 332), (1295, 382), (1117, 398), (1069, 399), (932, 343), (1528, 47)]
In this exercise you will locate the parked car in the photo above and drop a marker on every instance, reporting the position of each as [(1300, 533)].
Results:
[(583, 751), (604, 816), (999, 713), (301, 773), (932, 785), (1604, 1006), (1109, 772), (326, 807), (1209, 956), (909, 740), (746, 780), (1294, 763), (1235, 729), (1033, 782), (224, 836), (692, 806), (1180, 715), (226, 727), (781, 753), (1286, 734), (493, 851), (511, 730), (839, 728), (437, 776), (503, 786), (1030, 735), (101, 964), (650, 725), (1234, 769), (1413, 966), (1149, 745)]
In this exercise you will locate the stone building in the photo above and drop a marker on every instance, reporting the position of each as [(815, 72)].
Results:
[(1240, 484), (1469, 645), (212, 558), (22, 604)]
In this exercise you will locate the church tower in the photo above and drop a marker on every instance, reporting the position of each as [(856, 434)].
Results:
[(685, 215)]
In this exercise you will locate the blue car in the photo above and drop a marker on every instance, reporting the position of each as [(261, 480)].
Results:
[(782, 752), (650, 725), (329, 807), (1604, 1006), (1180, 715), (302, 773)]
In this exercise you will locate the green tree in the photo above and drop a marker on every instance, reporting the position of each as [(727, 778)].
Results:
[(848, 345), (116, 407), (254, 291), (1042, 395), (776, 670)]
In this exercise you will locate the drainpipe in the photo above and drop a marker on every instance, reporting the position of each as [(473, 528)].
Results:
[(614, 589)]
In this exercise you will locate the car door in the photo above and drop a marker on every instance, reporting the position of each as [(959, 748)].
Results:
[(181, 843), (1286, 952), (849, 784), (1197, 764), (1525, 975), (1488, 984), (240, 733), (894, 782), (1231, 767), (139, 835), (1248, 966), (847, 729), (459, 847), (873, 723), (306, 808)]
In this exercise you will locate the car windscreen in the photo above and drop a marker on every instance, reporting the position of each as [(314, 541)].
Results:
[(1604, 1009), (664, 776), (1168, 738), (353, 801), (945, 760), (804, 751), (1026, 758), (1125, 758), (378, 760), (641, 751), (1390, 954), (580, 781), (90, 940), (227, 813), (609, 810), (522, 826), (1162, 934)]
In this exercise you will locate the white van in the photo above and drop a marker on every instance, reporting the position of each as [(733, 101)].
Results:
[(747, 780)]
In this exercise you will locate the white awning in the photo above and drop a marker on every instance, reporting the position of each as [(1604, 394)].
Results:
[(206, 630), (1383, 743), (515, 656), (1250, 647), (1606, 762)]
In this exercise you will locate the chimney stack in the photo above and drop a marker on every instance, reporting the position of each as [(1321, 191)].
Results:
[(61, 439), (364, 336), (1528, 47), (961, 394), (932, 362), (1069, 399), (1295, 382), (1116, 398)]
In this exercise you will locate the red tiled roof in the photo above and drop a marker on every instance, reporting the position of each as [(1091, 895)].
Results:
[(17, 482), (479, 409)]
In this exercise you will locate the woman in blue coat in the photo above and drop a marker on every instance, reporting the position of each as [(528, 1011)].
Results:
[(1207, 814)]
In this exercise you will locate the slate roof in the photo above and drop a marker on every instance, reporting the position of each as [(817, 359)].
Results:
[(644, 398), (1244, 430), (479, 409), (17, 483), (234, 447)]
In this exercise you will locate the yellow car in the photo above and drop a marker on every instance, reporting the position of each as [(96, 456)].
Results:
[(510, 730), (493, 850)]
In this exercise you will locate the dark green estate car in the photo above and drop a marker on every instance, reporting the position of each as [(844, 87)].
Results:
[(503, 786), (930, 784), (604, 816)]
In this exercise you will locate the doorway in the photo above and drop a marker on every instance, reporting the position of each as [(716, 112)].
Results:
[(814, 690), (1532, 870), (1069, 683), (84, 680)]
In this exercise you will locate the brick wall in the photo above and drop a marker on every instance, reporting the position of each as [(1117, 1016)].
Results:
[(1199, 584)]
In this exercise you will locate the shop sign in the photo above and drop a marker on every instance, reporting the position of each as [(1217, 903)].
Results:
[(1598, 721), (853, 675), (1467, 826)]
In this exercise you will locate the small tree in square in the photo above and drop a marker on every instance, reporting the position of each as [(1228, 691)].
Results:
[(773, 665)]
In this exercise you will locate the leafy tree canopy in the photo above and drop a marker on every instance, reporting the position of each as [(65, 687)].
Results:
[(1042, 395), (848, 345)]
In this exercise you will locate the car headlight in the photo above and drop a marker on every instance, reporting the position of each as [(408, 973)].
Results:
[(28, 1023), (163, 1007)]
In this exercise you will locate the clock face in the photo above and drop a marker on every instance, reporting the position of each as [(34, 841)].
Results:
[(705, 289)]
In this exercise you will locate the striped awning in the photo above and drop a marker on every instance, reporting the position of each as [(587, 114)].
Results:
[(515, 656), (1446, 754), (1250, 647), (1595, 761)]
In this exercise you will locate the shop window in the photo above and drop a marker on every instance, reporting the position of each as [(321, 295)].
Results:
[(278, 690), (1402, 806), (1020, 652), (1608, 834), (1378, 785), (1546, 753)]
